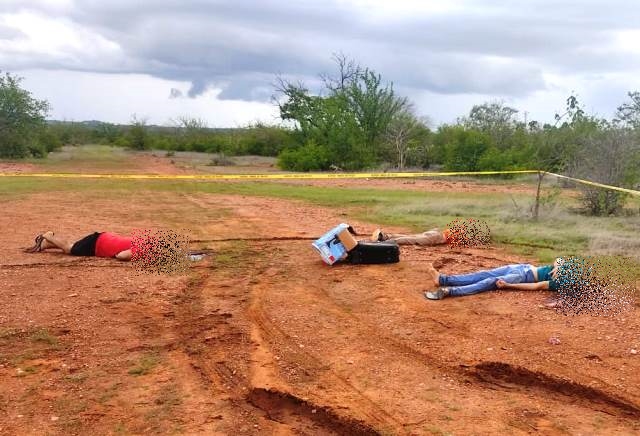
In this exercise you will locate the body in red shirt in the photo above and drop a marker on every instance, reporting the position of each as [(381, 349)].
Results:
[(109, 244)]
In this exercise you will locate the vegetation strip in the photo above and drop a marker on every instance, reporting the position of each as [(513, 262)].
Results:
[(312, 176)]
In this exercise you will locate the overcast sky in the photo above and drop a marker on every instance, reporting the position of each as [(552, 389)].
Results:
[(217, 60)]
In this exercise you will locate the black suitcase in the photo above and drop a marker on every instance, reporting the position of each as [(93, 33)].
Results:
[(374, 252)]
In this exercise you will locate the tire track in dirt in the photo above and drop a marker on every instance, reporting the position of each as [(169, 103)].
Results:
[(313, 369), (223, 365), (209, 339), (502, 376)]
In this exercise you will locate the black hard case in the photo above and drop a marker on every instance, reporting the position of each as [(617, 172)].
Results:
[(374, 252)]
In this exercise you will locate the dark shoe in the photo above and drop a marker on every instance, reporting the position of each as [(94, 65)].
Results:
[(437, 295), (37, 246), (377, 235)]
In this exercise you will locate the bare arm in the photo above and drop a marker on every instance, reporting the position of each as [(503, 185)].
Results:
[(540, 286), (124, 255)]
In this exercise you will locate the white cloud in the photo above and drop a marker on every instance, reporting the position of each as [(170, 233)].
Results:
[(56, 42), (446, 55), (78, 96)]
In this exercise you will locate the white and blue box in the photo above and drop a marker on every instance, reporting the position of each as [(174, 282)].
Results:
[(334, 245)]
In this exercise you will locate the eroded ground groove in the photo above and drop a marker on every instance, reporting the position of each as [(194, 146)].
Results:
[(303, 415), (505, 376)]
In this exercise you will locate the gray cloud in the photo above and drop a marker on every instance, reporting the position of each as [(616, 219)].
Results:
[(484, 47)]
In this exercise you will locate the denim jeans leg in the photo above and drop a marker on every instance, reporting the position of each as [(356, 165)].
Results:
[(471, 278), (488, 284)]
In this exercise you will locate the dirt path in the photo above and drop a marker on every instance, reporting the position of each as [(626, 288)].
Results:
[(263, 338)]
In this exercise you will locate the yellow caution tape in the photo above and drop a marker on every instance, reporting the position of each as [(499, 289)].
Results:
[(265, 176), (308, 176), (598, 185)]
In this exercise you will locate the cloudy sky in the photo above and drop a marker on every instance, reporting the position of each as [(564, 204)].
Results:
[(217, 60)]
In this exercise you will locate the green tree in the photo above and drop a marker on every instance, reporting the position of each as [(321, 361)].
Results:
[(629, 112), (608, 156), (495, 119), (22, 120), (405, 134), (464, 149), (349, 119), (190, 133), (138, 137), (373, 105)]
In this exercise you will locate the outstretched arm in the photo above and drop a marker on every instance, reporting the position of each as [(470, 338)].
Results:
[(124, 255), (540, 286)]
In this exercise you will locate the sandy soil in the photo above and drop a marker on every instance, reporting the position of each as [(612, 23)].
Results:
[(261, 337)]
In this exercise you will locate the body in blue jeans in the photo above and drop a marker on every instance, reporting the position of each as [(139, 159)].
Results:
[(481, 281)]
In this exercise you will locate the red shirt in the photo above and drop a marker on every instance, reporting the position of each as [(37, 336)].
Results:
[(110, 244)]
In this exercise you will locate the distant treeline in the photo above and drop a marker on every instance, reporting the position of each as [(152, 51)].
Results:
[(358, 122), (186, 135)]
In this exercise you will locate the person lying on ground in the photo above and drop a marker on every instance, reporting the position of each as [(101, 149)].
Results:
[(428, 238), (99, 244), (522, 277)]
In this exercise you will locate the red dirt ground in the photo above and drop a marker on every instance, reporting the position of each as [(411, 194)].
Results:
[(261, 337)]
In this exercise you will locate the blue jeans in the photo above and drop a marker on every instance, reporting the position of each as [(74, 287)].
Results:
[(481, 281)]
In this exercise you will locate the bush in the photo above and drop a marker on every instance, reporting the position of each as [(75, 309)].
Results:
[(464, 150), (605, 202), (138, 138), (310, 157)]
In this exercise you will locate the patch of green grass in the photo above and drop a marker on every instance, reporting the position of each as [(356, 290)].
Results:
[(162, 415), (30, 369), (87, 158), (109, 393), (77, 377), (23, 357), (43, 336), (145, 365), (7, 333), (119, 429), (437, 431), (69, 409)]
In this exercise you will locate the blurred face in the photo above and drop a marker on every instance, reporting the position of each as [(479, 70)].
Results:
[(556, 264)]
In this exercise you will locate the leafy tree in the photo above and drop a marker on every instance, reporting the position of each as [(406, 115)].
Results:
[(373, 105), (22, 120), (349, 120), (608, 156), (495, 119), (138, 136), (464, 149), (628, 113), (190, 133), (405, 133)]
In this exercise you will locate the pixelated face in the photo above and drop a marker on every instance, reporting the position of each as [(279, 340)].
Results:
[(159, 251), (468, 233), (594, 286)]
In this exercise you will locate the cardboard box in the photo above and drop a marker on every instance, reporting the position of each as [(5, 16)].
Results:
[(347, 239), (332, 247)]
